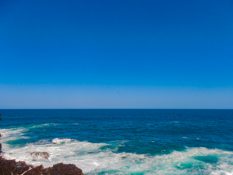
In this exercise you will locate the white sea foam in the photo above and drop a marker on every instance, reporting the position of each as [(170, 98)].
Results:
[(92, 159), (11, 134), (61, 141), (44, 125), (18, 133)]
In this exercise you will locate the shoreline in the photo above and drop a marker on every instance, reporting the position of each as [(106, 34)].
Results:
[(13, 167), (49, 141)]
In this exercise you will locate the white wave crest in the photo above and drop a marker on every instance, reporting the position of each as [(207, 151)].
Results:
[(11, 134), (92, 159), (61, 141), (44, 125)]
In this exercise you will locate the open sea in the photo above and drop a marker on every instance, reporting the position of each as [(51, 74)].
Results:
[(123, 142)]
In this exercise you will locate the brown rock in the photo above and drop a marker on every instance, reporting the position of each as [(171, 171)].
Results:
[(63, 169), (11, 167), (39, 155), (35, 171)]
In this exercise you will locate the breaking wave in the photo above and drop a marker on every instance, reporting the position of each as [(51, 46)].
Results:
[(92, 159)]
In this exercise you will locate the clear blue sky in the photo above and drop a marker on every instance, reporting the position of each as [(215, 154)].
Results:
[(116, 54)]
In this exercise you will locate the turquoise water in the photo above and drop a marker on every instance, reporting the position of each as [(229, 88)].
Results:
[(127, 142)]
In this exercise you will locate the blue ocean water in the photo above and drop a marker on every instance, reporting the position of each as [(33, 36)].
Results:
[(166, 142)]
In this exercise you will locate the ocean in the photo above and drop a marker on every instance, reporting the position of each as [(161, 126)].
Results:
[(123, 142)]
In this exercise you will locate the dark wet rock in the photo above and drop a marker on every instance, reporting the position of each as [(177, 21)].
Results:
[(39, 155), (12, 167), (35, 171), (63, 169)]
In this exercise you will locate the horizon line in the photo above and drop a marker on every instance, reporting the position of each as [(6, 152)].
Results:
[(116, 109)]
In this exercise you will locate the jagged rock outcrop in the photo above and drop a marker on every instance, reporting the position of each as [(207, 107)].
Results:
[(63, 169), (35, 171), (12, 167)]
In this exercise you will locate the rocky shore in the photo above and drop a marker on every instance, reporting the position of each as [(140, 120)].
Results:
[(12, 167)]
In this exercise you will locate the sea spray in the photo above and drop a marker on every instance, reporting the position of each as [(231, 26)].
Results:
[(94, 160)]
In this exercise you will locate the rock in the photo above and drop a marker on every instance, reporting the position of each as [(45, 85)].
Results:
[(64, 169), (39, 155), (35, 171), (11, 167)]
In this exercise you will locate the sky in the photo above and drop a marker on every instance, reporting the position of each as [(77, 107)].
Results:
[(116, 54)]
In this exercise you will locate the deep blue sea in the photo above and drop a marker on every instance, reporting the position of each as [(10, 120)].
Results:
[(123, 142)]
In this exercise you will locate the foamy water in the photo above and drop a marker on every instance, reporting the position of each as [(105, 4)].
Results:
[(93, 159)]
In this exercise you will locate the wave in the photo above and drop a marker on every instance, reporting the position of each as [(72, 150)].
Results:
[(12, 134), (44, 125), (18, 133), (92, 159)]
